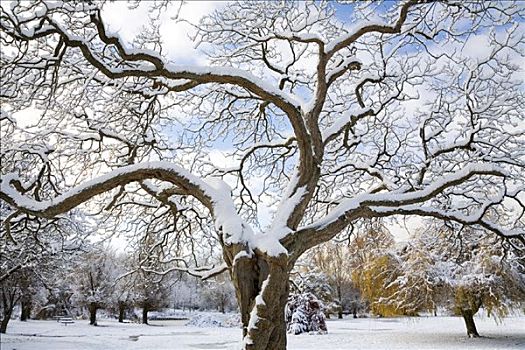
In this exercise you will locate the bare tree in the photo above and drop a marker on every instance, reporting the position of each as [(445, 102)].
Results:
[(333, 260), (93, 280), (326, 124), (32, 248)]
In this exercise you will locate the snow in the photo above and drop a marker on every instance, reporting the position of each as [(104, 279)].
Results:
[(340, 123), (230, 72), (398, 199), (25, 202), (214, 320), (353, 30), (284, 210), (367, 333)]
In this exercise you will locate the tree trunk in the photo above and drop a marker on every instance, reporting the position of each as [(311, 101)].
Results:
[(5, 320), (340, 297), (261, 287), (468, 316), (92, 314), (3, 324), (9, 300), (25, 308), (145, 310), (121, 311)]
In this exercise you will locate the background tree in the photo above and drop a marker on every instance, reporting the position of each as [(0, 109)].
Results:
[(122, 296), (317, 283), (10, 294), (319, 117), (462, 272), (220, 294), (150, 284), (334, 260), (94, 277), (32, 250), (374, 266), (480, 269), (183, 292)]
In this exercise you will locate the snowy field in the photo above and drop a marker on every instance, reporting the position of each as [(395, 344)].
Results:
[(388, 333)]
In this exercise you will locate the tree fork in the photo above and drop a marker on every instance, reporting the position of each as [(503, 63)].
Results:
[(261, 285)]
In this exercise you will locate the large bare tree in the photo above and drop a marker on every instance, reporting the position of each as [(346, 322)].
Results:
[(326, 115)]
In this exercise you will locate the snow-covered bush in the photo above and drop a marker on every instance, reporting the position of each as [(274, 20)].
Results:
[(318, 284), (304, 314), (207, 320)]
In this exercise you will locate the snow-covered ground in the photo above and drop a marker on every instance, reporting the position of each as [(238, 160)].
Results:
[(368, 333)]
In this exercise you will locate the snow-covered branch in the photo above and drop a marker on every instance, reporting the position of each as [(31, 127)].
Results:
[(12, 190)]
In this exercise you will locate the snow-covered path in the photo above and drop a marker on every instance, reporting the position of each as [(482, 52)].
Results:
[(388, 333)]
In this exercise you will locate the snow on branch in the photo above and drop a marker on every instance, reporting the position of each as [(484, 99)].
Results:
[(148, 63), (475, 218), (153, 170), (397, 202), (203, 272)]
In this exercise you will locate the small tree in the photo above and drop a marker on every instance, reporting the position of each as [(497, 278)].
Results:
[(183, 293), (486, 273), (150, 284), (304, 314), (93, 280), (33, 251), (150, 293), (318, 284), (10, 295), (122, 294)]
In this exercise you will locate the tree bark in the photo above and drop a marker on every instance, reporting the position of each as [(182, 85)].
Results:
[(9, 300), (145, 310), (25, 309), (468, 317), (5, 321), (261, 286), (93, 313), (121, 311), (340, 297), (3, 324)]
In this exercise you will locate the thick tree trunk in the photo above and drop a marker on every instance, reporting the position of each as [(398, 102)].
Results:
[(145, 310), (92, 314), (261, 286), (468, 316), (121, 311)]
